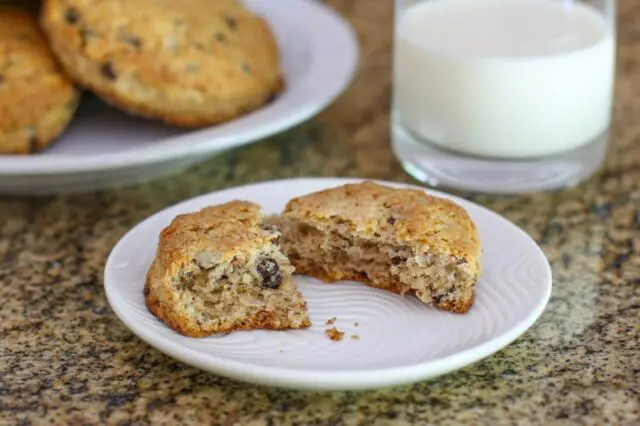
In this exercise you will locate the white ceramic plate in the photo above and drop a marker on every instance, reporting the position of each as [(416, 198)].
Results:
[(105, 147), (400, 340)]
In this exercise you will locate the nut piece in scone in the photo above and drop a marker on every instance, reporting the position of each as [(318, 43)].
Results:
[(221, 269), (401, 240)]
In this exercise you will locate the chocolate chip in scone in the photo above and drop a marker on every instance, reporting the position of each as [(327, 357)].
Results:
[(437, 299), (108, 71), (397, 260), (270, 273), (220, 37), (245, 68), (231, 22), (132, 40), (71, 15), (391, 220), (33, 144)]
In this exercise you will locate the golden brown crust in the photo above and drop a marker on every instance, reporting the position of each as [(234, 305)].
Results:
[(162, 313), (195, 64), (37, 99)]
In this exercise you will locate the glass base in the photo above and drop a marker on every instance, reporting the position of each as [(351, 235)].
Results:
[(437, 167)]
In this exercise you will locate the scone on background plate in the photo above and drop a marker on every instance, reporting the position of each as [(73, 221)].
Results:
[(37, 99), (220, 270), (190, 63), (401, 240)]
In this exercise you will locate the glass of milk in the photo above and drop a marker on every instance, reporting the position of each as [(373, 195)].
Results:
[(503, 96)]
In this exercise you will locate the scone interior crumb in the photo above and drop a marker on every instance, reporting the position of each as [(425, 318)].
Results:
[(436, 279), (233, 293)]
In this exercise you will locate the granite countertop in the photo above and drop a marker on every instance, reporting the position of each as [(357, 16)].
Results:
[(66, 359)]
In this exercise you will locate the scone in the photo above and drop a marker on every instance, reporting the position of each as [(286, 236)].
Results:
[(37, 100), (220, 270), (400, 240), (190, 63)]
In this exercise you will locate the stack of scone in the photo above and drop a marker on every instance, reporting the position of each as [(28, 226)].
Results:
[(228, 268), (189, 63)]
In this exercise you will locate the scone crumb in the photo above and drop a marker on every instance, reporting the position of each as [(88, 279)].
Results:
[(331, 321), (334, 334), (355, 324), (355, 337)]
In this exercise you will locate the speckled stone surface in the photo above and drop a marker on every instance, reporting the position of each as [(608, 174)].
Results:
[(66, 359)]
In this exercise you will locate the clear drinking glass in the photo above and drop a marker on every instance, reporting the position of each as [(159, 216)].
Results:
[(503, 96)]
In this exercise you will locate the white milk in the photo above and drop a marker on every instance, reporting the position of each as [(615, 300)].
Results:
[(504, 78)]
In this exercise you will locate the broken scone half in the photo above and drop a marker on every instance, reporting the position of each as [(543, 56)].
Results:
[(401, 240), (221, 269)]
